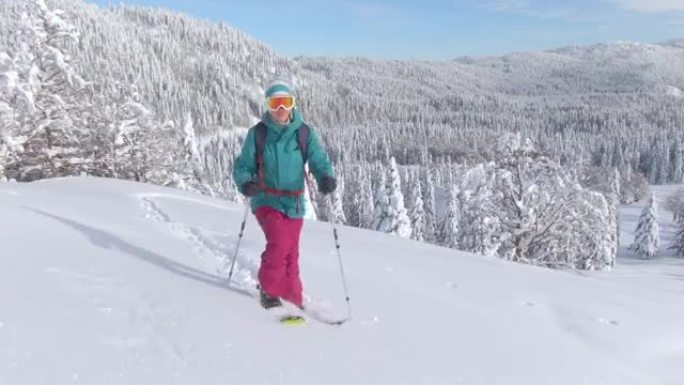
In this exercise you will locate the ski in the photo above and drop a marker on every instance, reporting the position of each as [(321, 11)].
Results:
[(318, 316), (291, 315), (332, 322)]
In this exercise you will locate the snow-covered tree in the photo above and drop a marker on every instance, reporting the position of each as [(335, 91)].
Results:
[(8, 90), (192, 171), (310, 209), (479, 230), (647, 236), (417, 211), (335, 213), (677, 161), (430, 210), (587, 239), (332, 203), (546, 217), (449, 231), (634, 187), (351, 198), (614, 198), (678, 242), (136, 147), (8, 123), (192, 148), (55, 140), (397, 221), (608, 182), (217, 153), (366, 207), (381, 201), (675, 204)]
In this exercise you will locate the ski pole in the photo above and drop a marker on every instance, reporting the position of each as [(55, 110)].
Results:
[(237, 247), (344, 281)]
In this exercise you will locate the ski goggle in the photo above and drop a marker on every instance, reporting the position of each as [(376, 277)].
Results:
[(275, 102)]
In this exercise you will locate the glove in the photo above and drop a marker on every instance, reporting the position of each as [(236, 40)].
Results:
[(250, 189), (328, 185)]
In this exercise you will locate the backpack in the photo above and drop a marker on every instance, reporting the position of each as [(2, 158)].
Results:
[(260, 142)]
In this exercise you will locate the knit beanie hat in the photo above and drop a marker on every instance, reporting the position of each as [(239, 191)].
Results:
[(279, 87)]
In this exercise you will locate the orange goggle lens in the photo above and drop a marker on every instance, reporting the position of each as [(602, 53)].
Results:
[(275, 102)]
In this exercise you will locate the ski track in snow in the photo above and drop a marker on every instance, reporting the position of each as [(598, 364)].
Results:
[(151, 326), (219, 254)]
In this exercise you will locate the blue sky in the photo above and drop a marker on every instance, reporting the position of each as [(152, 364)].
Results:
[(436, 29)]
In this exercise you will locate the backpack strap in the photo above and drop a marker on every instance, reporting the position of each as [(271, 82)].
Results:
[(303, 141), (259, 141)]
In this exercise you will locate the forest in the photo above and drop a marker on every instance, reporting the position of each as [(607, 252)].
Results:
[(526, 156)]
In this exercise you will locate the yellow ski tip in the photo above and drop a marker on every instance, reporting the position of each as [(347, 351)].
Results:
[(292, 320)]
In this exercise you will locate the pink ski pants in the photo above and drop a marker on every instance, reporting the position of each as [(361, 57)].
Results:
[(279, 270)]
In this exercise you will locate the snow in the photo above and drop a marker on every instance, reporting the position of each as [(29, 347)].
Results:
[(114, 282), (674, 91)]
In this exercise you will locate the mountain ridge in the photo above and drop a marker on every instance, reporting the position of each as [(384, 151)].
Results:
[(241, 68)]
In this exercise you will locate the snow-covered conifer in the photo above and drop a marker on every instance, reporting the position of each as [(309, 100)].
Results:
[(647, 236)]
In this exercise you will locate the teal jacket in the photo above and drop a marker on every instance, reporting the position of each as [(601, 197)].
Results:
[(283, 165)]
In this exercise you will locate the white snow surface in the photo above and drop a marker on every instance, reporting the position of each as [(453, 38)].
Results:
[(674, 91), (114, 282)]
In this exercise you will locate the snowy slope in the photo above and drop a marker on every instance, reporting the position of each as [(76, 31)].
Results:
[(112, 282)]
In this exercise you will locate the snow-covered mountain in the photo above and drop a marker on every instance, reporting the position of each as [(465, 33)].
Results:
[(180, 64), (113, 282)]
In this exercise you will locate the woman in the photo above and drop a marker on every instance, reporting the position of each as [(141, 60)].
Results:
[(275, 181)]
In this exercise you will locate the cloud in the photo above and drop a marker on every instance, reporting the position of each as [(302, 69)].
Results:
[(651, 6), (533, 9), (671, 10)]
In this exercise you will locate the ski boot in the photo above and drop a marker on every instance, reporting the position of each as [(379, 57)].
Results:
[(267, 301)]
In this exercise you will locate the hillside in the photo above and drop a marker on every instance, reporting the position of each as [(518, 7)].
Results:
[(580, 103), (113, 282), (174, 58)]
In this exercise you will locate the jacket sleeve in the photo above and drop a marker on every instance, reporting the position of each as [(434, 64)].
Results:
[(318, 158), (245, 168)]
